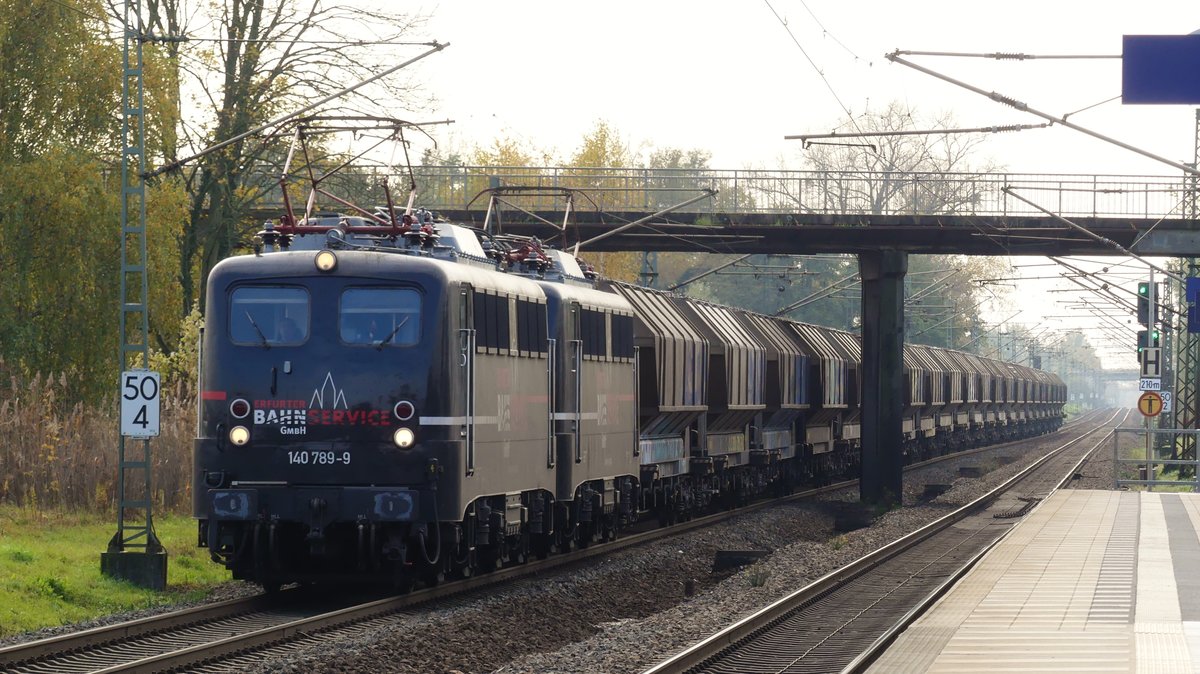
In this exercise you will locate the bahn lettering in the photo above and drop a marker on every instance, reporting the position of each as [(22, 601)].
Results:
[(289, 417)]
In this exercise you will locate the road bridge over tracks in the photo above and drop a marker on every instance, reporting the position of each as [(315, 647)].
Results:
[(880, 216)]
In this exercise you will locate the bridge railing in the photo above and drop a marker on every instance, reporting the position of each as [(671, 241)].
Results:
[(771, 191)]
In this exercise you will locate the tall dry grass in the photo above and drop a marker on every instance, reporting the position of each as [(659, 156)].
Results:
[(55, 454)]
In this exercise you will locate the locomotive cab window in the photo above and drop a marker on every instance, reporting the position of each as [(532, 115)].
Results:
[(268, 316), (380, 316)]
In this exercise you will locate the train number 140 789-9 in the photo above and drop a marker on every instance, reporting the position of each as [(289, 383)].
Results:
[(315, 457)]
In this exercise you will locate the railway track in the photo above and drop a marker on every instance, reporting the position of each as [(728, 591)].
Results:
[(213, 633), (842, 621)]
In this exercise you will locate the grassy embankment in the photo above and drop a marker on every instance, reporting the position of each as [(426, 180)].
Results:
[(50, 568), (58, 506)]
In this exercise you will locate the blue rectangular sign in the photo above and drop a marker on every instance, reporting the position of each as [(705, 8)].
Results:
[(1161, 69), (1192, 295)]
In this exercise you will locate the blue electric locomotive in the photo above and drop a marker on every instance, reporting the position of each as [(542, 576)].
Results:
[(391, 407)]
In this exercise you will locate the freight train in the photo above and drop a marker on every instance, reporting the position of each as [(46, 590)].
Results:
[(408, 400)]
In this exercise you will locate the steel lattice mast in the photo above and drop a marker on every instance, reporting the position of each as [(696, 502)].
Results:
[(1187, 346), (134, 553)]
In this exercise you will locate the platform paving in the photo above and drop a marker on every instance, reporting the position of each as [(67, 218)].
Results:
[(1090, 581)]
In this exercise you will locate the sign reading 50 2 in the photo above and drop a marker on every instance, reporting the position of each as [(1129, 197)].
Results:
[(139, 404)]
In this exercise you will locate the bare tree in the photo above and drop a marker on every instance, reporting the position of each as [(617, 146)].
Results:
[(245, 63), (893, 174)]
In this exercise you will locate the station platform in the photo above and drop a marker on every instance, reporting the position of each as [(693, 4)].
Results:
[(1090, 581)]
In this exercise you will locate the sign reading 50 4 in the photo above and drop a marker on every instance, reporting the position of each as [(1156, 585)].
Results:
[(139, 404)]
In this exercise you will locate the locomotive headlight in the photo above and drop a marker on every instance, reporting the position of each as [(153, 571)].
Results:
[(326, 260), (403, 438), (239, 435)]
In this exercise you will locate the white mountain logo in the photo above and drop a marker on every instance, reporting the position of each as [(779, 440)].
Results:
[(339, 396)]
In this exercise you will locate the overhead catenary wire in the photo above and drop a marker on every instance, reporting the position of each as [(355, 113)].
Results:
[(701, 275), (170, 166), (1006, 56), (1011, 191), (853, 122), (1024, 107), (918, 132), (825, 31)]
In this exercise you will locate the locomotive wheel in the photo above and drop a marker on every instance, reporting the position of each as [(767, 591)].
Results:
[(464, 566), (541, 547), (608, 530), (489, 559), (402, 584)]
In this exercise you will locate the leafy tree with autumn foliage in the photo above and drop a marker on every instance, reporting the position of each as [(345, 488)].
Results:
[(603, 149), (60, 86)]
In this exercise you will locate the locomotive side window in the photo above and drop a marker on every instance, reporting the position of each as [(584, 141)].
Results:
[(622, 336), (268, 315), (593, 331), (492, 322), (380, 316), (531, 327)]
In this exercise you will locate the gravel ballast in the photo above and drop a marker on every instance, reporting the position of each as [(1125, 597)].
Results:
[(629, 611)]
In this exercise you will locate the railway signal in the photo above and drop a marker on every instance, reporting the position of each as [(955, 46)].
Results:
[(1143, 302), (1147, 309), (1148, 339)]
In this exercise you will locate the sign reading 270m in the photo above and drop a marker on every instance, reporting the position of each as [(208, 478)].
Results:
[(139, 404)]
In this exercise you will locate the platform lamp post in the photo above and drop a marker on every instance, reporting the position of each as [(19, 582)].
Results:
[(134, 553)]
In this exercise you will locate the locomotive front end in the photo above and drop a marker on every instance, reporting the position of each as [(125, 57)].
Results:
[(313, 461)]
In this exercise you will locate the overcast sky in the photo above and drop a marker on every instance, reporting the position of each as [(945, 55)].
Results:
[(731, 78)]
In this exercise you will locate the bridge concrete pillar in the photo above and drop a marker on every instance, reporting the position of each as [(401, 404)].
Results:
[(882, 375)]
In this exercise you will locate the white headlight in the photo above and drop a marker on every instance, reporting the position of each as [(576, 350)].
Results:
[(239, 435), (326, 260), (403, 438)]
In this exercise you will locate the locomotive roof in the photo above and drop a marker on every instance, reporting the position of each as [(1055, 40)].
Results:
[(375, 264), (588, 297)]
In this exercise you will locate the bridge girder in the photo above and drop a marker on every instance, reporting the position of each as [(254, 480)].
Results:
[(802, 234)]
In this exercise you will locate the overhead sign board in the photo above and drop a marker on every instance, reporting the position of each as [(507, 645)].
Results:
[(1192, 293), (1150, 404), (1160, 69)]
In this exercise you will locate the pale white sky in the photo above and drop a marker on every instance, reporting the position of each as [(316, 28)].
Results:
[(728, 77)]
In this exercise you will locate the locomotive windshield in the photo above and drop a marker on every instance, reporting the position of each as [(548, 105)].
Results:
[(269, 315), (380, 316)]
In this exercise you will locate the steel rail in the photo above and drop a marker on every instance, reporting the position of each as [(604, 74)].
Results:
[(157, 625), (728, 637), (105, 634)]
